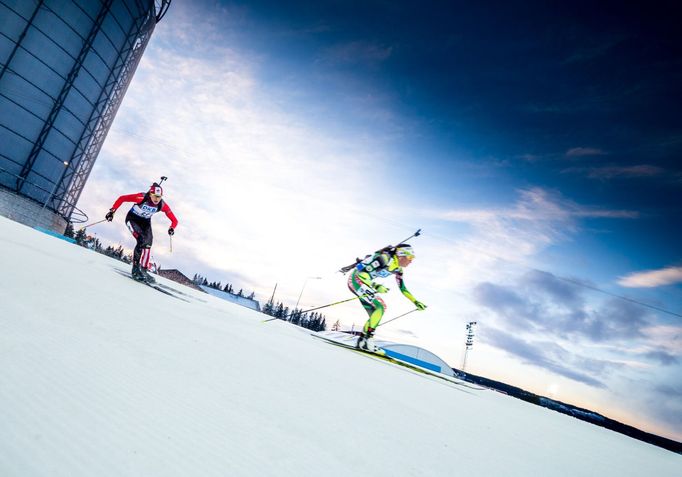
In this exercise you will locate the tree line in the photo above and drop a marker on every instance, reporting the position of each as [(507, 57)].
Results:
[(228, 288), (93, 243), (312, 321)]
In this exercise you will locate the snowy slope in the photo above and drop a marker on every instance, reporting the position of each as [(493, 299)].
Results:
[(102, 376), (239, 300)]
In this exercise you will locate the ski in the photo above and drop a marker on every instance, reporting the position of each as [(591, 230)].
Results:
[(178, 292), (171, 289), (158, 288), (155, 286), (383, 356)]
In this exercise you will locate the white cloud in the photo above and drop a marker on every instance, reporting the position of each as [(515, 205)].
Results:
[(666, 337), (500, 241), (538, 219), (613, 172), (652, 278), (585, 151)]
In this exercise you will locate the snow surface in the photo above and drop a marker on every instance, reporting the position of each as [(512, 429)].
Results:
[(102, 376)]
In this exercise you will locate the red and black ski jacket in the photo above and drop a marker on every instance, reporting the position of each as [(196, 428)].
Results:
[(145, 208)]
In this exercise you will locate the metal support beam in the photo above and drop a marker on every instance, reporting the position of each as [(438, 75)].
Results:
[(21, 39), (66, 89), (103, 114)]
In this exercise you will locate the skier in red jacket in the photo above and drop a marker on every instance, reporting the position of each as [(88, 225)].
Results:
[(139, 223)]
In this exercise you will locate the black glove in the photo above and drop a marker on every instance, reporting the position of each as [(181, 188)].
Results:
[(110, 215), (171, 231)]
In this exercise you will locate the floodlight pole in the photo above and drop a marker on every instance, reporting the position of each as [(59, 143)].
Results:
[(272, 298), (303, 288), (469, 342)]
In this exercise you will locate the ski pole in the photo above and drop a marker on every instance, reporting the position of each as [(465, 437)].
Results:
[(94, 223), (313, 309), (170, 238), (393, 319), (416, 234)]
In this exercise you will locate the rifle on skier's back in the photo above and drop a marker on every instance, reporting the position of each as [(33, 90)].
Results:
[(389, 248)]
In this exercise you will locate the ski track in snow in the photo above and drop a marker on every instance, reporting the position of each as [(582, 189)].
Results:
[(101, 376)]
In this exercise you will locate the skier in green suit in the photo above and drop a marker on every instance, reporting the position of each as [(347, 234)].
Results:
[(384, 262)]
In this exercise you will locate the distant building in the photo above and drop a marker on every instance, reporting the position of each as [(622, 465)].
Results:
[(416, 355), (405, 352), (178, 277), (239, 300)]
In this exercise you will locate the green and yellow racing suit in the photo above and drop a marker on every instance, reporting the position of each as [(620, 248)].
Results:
[(361, 283)]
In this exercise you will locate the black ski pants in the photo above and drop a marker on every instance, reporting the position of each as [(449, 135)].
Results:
[(141, 229)]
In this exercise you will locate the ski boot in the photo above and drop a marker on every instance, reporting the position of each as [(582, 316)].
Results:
[(137, 274), (366, 343), (146, 277)]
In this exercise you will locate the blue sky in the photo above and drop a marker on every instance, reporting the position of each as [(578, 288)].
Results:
[(538, 147)]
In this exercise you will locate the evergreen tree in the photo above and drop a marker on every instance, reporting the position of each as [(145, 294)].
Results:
[(69, 230), (296, 318), (312, 325), (252, 296), (80, 237)]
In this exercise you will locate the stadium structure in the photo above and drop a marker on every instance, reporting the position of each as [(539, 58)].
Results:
[(65, 66)]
